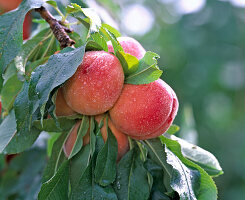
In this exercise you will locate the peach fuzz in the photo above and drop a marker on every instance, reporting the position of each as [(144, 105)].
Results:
[(72, 139), (62, 109), (145, 111), (96, 85), (130, 46), (122, 139)]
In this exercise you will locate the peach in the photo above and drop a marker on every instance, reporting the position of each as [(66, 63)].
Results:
[(72, 139), (96, 85), (62, 109), (122, 139), (145, 111), (130, 46), (9, 5)]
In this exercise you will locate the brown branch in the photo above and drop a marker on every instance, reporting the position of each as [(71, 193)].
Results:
[(59, 31)]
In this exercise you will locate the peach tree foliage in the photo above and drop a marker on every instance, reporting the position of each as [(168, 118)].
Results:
[(165, 167)]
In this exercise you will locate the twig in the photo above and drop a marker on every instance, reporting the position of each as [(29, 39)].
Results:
[(59, 31)]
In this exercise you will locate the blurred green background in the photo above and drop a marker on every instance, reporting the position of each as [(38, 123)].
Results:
[(202, 49)]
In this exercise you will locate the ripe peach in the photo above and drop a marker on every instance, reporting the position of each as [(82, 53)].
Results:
[(122, 139), (72, 139), (96, 85), (9, 5), (130, 46), (62, 109), (145, 111)]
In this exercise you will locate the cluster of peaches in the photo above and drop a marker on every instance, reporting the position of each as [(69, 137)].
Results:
[(138, 111)]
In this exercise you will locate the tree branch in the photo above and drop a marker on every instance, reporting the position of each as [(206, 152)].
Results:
[(59, 31)]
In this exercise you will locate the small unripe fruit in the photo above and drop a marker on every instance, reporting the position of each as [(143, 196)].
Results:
[(62, 109), (72, 139), (122, 139), (130, 46), (145, 111), (96, 85)]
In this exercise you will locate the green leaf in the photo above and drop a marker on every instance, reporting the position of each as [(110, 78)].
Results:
[(39, 21), (56, 71), (92, 137), (51, 141), (57, 186), (129, 63), (83, 129), (132, 178), (7, 130), (10, 90), (33, 65), (184, 180), (31, 46), (80, 38), (25, 135), (2, 162), (85, 15), (173, 129), (207, 188), (199, 156), (49, 125), (147, 71), (52, 3), (93, 46), (78, 165), (57, 156), (11, 31), (105, 169), (88, 189), (158, 189), (99, 39), (158, 155), (112, 30), (108, 35)]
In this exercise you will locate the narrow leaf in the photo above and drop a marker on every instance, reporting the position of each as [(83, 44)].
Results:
[(198, 155), (78, 165), (7, 130), (184, 180), (105, 169), (57, 186), (207, 189), (49, 125), (147, 71), (11, 31), (10, 90), (132, 178), (88, 189), (129, 63), (57, 156), (81, 133)]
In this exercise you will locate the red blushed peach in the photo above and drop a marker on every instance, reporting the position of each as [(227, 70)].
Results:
[(8, 5), (62, 109), (96, 85), (122, 139), (145, 111), (72, 139), (130, 46)]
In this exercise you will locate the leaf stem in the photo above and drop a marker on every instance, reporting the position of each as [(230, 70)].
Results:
[(131, 145)]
